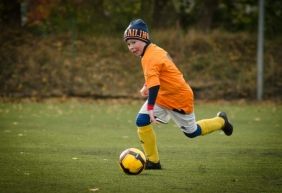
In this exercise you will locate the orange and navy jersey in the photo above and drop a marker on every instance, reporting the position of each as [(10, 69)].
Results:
[(159, 69)]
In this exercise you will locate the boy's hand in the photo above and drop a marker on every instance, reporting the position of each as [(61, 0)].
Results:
[(144, 91), (152, 117)]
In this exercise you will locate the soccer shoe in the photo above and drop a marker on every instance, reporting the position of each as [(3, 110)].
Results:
[(227, 128), (152, 166)]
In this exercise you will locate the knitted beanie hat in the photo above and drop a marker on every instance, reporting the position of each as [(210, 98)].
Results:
[(137, 29)]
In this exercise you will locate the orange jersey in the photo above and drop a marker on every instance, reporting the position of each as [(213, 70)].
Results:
[(159, 69)]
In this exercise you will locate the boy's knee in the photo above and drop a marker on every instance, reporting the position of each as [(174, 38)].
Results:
[(142, 120), (196, 133)]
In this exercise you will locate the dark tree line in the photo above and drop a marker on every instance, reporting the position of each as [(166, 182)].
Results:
[(112, 15)]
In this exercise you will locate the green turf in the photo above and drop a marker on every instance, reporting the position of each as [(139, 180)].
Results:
[(73, 147)]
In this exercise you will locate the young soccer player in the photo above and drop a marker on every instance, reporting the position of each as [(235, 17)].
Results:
[(169, 96)]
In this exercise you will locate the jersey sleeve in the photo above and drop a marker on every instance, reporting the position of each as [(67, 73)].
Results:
[(153, 73)]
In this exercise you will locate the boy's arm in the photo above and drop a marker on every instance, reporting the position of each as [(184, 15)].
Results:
[(144, 91), (153, 93)]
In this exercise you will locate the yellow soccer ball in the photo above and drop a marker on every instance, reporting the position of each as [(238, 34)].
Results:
[(132, 161)]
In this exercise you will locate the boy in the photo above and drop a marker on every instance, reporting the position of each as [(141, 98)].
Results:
[(169, 96)]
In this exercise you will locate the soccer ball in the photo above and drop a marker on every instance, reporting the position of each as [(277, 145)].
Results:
[(132, 161)]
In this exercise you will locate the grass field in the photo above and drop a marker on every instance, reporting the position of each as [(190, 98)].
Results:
[(73, 147)]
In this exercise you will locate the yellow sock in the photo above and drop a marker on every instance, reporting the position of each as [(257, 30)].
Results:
[(210, 125), (147, 137)]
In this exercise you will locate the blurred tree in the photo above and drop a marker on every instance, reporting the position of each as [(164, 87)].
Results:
[(40, 10), (147, 11), (111, 16), (183, 9), (39, 15), (120, 13), (164, 14), (273, 18), (10, 13), (205, 14), (236, 15)]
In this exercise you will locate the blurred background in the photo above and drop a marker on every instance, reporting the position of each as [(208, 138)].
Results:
[(74, 48)]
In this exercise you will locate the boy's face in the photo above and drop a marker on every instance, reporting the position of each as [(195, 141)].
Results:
[(135, 46)]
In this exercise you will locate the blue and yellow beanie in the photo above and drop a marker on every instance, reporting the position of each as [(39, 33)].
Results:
[(137, 29)]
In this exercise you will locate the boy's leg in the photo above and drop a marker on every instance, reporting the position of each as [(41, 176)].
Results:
[(192, 129), (209, 125), (186, 122), (147, 138), (148, 141), (220, 122)]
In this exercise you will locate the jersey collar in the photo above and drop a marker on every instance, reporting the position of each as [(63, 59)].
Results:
[(145, 47)]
